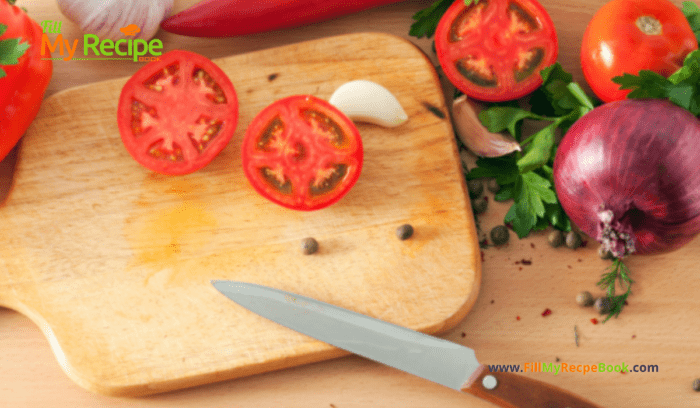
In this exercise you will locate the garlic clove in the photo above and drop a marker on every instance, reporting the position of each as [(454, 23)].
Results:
[(106, 18), (366, 101), (475, 136)]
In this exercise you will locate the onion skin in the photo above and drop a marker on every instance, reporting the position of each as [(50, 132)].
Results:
[(632, 167)]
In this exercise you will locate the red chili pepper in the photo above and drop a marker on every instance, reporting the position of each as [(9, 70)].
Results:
[(594, 320), (24, 76), (227, 18), (546, 312)]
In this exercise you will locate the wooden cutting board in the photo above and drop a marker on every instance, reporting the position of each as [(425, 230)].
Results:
[(114, 262)]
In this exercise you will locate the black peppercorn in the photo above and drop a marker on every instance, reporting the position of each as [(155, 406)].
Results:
[(309, 246), (555, 238), (696, 384), (500, 235), (479, 205), (584, 299), (603, 305), (404, 232), (475, 187), (573, 239), (493, 186)]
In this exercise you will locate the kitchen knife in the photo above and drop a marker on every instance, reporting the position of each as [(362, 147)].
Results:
[(426, 356)]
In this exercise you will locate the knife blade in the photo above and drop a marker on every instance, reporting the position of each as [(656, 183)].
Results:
[(429, 357)]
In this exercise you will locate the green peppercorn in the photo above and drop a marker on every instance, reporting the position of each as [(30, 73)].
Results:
[(555, 238), (585, 299), (475, 187), (500, 235), (493, 186), (696, 384), (479, 205), (309, 246), (404, 232), (604, 253), (573, 239), (603, 305)]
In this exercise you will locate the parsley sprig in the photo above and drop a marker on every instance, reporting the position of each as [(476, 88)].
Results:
[(526, 177), (427, 19), (10, 50)]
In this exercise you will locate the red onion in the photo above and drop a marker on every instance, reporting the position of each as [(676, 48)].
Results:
[(628, 174)]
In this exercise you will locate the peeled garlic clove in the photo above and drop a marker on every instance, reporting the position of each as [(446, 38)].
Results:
[(475, 136), (367, 101), (105, 18)]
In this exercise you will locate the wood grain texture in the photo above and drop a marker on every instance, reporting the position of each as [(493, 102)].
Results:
[(114, 262), (658, 327)]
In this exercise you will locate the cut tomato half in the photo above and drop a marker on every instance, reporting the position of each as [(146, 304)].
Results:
[(494, 50), (302, 153), (176, 114)]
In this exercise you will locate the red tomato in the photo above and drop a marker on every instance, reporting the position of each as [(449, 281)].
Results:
[(24, 74), (626, 36), (494, 50), (176, 114), (302, 153)]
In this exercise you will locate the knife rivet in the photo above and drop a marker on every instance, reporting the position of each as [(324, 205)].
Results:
[(489, 382)]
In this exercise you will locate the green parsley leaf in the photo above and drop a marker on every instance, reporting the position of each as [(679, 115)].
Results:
[(558, 95), (539, 150), (3, 28), (530, 194), (503, 169), (499, 118), (648, 84), (427, 19), (692, 14)]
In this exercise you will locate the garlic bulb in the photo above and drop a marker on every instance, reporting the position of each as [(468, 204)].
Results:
[(367, 101), (475, 136), (106, 18)]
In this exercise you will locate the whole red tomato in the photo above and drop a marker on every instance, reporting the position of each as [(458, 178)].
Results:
[(494, 50), (626, 36), (24, 75)]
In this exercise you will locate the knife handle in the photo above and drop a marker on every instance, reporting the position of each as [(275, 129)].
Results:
[(516, 391)]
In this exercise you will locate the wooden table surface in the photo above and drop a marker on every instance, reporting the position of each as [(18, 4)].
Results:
[(506, 326)]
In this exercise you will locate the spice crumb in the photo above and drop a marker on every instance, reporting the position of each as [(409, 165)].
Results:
[(696, 384), (569, 266), (546, 312), (532, 245), (332, 406), (594, 320), (482, 256), (556, 359), (464, 334), (576, 335), (634, 336), (517, 317), (526, 261), (520, 269), (492, 301), (271, 78)]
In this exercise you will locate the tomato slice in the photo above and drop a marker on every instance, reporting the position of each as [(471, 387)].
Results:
[(176, 114), (302, 153), (494, 50)]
